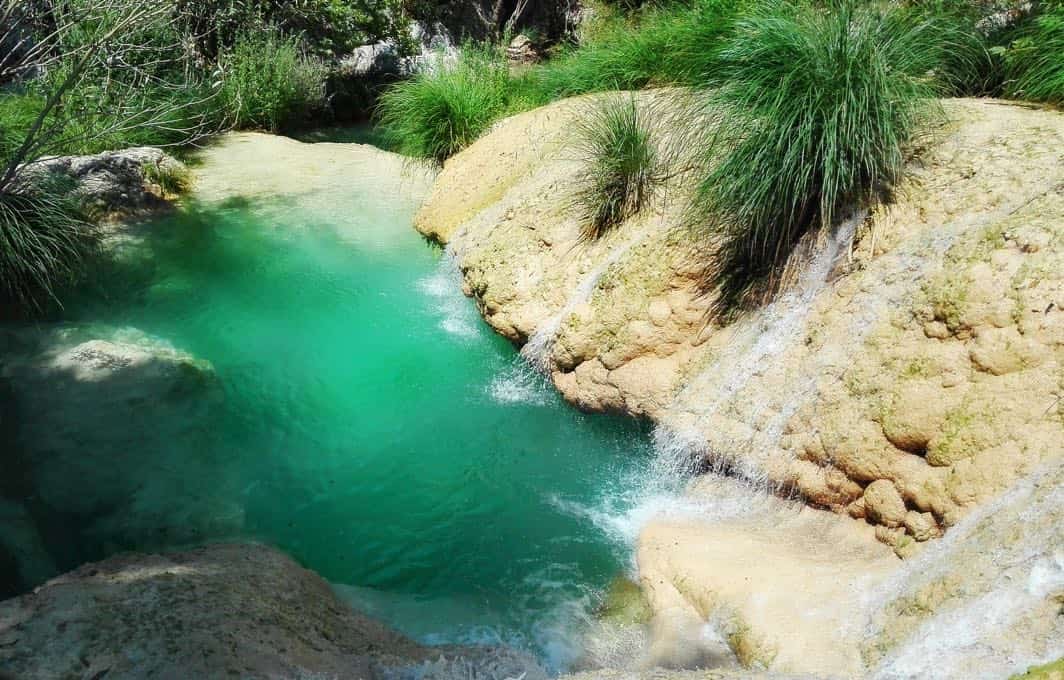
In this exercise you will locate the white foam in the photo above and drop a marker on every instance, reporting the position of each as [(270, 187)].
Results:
[(444, 286), (519, 384)]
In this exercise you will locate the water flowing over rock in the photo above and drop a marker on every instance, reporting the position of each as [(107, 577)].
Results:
[(926, 353), (909, 377)]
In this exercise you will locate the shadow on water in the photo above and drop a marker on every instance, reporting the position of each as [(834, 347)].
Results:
[(348, 134)]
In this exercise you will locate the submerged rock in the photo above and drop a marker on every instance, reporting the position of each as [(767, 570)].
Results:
[(244, 610), (93, 405)]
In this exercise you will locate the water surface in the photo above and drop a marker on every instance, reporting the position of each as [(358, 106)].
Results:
[(363, 418)]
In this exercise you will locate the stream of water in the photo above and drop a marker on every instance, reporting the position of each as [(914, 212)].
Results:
[(356, 421)]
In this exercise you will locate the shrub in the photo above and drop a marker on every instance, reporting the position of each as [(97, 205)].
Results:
[(621, 164), (44, 244), (1035, 61), (268, 83), (816, 108), (438, 113), (326, 27)]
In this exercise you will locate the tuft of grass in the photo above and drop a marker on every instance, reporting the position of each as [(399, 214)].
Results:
[(269, 83), (1035, 60), (436, 114), (172, 178), (815, 110), (621, 164), (44, 245)]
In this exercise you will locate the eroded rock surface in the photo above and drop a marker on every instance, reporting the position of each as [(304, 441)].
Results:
[(92, 404), (240, 610)]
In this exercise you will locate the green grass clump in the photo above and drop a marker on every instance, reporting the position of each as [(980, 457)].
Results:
[(173, 179), (621, 164), (270, 84), (1035, 60), (816, 108), (675, 44), (44, 244), (436, 114)]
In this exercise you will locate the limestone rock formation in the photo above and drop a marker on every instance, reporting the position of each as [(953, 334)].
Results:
[(112, 184), (924, 358), (244, 610)]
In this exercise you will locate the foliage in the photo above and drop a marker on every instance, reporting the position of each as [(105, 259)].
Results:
[(110, 74), (671, 45), (173, 178), (436, 114), (44, 244), (812, 119), (268, 83), (621, 164), (326, 27), (1035, 61), (969, 66)]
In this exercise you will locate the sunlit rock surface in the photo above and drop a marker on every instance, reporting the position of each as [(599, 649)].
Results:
[(112, 184), (243, 610), (927, 355)]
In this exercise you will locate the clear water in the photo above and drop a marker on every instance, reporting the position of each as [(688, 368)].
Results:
[(364, 420)]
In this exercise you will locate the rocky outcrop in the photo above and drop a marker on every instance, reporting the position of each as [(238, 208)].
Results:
[(383, 61), (907, 378), (113, 184), (244, 610), (912, 374)]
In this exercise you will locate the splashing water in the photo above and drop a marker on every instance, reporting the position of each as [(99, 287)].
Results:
[(444, 285), (1000, 568)]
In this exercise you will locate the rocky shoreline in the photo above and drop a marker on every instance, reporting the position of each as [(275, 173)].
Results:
[(913, 376)]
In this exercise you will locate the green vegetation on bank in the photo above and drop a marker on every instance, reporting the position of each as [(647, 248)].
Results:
[(804, 110), (268, 83), (811, 120), (44, 241), (84, 76), (1035, 60), (435, 115)]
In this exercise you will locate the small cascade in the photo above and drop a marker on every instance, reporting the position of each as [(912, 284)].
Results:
[(680, 440), (445, 286), (1001, 567), (538, 348), (782, 322)]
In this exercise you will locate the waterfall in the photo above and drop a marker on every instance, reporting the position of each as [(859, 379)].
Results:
[(457, 317), (538, 348), (1005, 562)]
